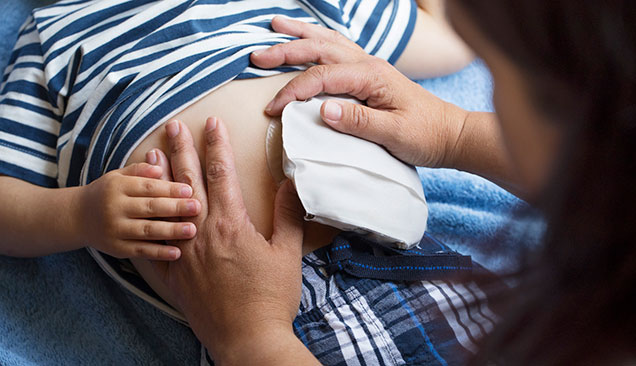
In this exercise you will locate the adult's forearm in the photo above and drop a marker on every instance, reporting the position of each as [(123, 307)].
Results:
[(480, 149), (37, 221), (266, 348)]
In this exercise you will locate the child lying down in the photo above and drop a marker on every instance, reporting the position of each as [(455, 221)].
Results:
[(90, 82)]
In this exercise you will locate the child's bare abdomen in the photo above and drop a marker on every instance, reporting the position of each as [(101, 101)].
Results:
[(240, 104)]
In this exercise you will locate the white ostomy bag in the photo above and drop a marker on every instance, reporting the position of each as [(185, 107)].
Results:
[(350, 183)]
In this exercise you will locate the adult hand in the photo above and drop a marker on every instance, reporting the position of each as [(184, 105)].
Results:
[(236, 289), (410, 122)]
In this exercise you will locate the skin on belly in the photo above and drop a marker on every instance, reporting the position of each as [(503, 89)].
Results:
[(240, 104)]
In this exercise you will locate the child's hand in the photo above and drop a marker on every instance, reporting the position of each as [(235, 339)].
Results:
[(115, 212)]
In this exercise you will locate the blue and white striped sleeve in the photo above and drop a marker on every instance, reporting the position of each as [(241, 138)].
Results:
[(381, 27), (29, 122)]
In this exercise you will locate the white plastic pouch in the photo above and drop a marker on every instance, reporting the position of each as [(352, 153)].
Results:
[(350, 183)]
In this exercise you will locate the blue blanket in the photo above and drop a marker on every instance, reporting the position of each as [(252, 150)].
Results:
[(62, 309)]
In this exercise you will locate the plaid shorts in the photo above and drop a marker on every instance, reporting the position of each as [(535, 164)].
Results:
[(347, 318)]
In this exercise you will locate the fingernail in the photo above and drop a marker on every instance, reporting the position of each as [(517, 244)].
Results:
[(172, 129), (151, 157), (333, 111), (191, 206), (188, 230), (186, 191), (173, 253), (269, 106), (256, 53), (210, 124)]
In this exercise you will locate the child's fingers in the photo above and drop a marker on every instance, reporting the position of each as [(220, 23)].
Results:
[(146, 187), (158, 158), (145, 250), (162, 207), (157, 230), (142, 170)]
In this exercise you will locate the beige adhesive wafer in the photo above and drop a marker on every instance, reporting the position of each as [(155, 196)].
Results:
[(274, 150)]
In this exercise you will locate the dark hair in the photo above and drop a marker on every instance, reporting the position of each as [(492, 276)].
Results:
[(577, 303)]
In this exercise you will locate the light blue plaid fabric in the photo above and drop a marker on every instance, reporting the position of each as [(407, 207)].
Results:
[(345, 320)]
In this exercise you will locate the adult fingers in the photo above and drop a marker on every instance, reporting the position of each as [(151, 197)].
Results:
[(224, 192), (317, 44), (304, 51), (147, 187), (185, 163), (158, 158), (288, 218), (358, 80), (162, 207), (300, 29), (361, 121)]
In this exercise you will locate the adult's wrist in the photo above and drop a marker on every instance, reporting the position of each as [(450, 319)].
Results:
[(455, 147), (480, 149), (258, 345)]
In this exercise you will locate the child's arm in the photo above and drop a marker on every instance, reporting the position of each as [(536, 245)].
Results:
[(111, 214), (434, 49)]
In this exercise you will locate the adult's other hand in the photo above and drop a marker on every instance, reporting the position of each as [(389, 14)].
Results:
[(239, 292), (410, 122)]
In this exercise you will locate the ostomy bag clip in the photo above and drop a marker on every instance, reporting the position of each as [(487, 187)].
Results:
[(350, 183)]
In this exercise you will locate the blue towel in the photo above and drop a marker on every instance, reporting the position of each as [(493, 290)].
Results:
[(62, 309)]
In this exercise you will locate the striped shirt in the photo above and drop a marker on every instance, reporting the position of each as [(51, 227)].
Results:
[(88, 79)]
